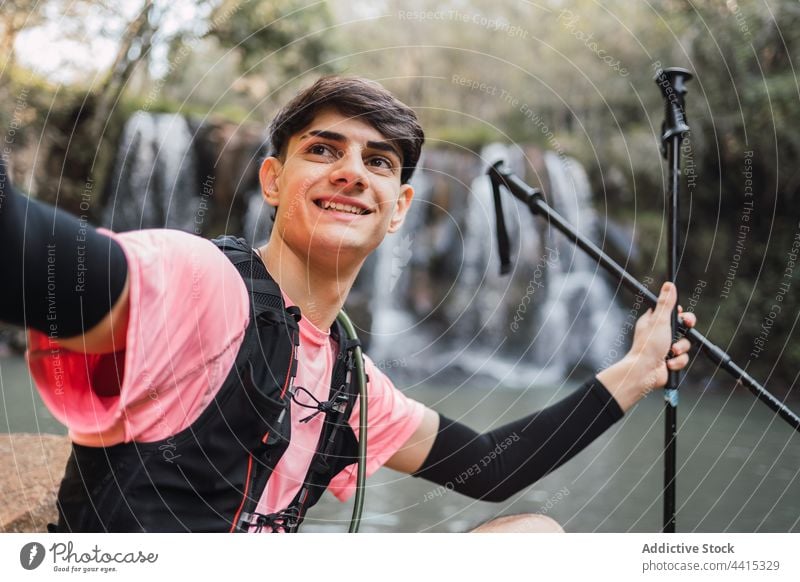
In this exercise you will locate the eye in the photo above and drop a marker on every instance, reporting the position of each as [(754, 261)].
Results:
[(324, 150), (381, 162)]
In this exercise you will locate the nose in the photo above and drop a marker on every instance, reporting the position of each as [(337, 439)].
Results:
[(349, 172)]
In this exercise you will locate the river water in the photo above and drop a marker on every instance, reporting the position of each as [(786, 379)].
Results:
[(738, 465)]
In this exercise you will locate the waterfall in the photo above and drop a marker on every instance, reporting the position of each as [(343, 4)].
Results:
[(579, 298), (488, 344), (480, 290), (554, 311), (154, 181), (391, 319)]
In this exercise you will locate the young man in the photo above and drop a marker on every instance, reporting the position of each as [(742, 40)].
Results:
[(187, 389)]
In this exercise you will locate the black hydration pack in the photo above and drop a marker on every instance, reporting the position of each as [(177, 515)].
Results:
[(216, 469)]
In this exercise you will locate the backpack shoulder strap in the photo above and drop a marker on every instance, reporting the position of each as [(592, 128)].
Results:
[(266, 298)]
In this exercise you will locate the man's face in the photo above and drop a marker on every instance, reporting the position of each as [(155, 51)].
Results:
[(338, 191)]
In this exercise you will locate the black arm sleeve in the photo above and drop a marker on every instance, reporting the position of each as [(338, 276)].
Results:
[(495, 465), (58, 275)]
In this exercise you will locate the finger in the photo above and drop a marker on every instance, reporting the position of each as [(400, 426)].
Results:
[(678, 363), (681, 346), (689, 319), (666, 301)]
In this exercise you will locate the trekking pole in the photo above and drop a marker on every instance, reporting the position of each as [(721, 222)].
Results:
[(501, 175), (674, 131)]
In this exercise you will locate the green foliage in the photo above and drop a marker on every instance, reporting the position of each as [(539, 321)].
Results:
[(290, 35), (470, 136)]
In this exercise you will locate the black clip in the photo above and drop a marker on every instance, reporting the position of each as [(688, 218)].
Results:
[(294, 310), (285, 520), (326, 406)]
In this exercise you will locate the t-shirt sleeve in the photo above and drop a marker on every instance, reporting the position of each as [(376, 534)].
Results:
[(188, 313), (392, 418)]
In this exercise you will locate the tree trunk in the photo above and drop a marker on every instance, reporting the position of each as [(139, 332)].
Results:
[(139, 30), (7, 44)]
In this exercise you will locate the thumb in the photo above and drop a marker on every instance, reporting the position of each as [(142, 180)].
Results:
[(666, 302)]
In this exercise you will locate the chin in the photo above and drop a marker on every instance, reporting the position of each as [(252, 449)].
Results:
[(338, 246)]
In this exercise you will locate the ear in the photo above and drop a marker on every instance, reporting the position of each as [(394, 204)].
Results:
[(401, 207), (268, 175)]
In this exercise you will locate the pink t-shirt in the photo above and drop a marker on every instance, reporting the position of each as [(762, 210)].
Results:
[(188, 313)]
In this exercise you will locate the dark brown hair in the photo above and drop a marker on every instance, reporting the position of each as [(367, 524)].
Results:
[(353, 97)]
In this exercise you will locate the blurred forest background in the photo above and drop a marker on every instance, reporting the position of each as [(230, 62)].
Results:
[(574, 76)]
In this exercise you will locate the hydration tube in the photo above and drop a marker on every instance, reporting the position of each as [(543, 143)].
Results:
[(358, 505)]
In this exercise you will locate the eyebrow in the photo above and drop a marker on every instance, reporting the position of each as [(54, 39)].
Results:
[(383, 146)]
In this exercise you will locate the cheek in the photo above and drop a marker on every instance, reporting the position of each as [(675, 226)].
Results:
[(296, 192)]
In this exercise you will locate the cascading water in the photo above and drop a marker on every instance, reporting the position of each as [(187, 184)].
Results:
[(552, 312), (480, 291), (492, 342), (155, 176), (578, 292), (391, 318)]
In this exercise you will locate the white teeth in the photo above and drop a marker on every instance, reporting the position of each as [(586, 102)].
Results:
[(327, 204)]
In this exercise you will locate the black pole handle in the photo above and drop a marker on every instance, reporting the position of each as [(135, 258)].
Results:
[(672, 82)]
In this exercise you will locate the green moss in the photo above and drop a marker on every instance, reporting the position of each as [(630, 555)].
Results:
[(470, 136)]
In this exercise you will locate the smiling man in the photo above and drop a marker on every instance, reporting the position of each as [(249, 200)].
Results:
[(208, 386), (339, 185)]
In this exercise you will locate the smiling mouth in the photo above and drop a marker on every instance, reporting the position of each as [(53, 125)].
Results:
[(346, 208)]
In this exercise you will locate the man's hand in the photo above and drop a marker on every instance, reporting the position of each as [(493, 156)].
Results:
[(645, 366)]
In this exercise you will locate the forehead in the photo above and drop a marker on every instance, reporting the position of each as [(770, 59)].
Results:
[(352, 128)]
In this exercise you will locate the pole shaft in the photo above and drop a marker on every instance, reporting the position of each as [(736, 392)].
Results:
[(671, 390), (672, 83)]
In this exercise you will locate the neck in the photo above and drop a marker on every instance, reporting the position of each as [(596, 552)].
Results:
[(319, 289)]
